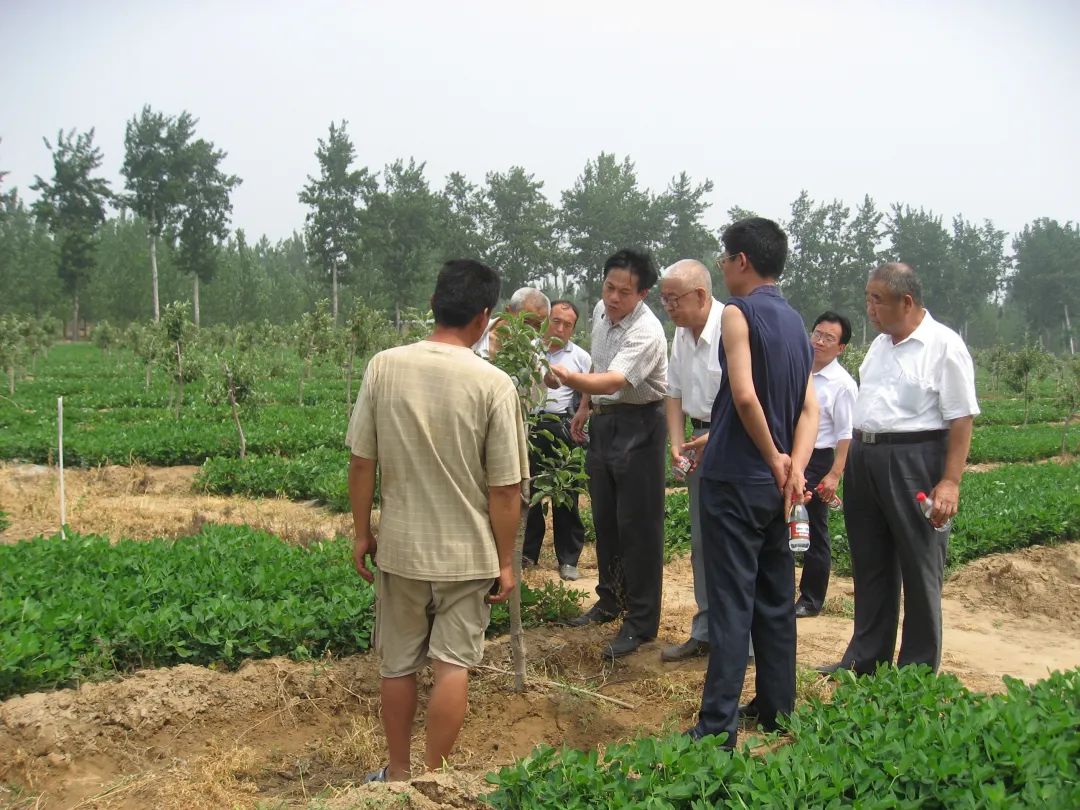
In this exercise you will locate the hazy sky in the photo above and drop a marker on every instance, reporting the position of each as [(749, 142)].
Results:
[(961, 107)]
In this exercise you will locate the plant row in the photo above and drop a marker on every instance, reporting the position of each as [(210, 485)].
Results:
[(83, 607), (1008, 508), (903, 738)]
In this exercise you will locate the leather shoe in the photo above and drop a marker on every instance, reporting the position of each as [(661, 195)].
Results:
[(622, 645), (748, 712), (831, 668), (569, 572), (802, 611), (688, 649), (592, 616)]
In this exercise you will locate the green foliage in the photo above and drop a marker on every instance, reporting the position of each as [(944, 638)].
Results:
[(1068, 394), (1024, 369), (676, 524), (83, 607), (551, 603), (904, 738), (1044, 286), (1011, 507), (320, 474), (1008, 443), (4, 521)]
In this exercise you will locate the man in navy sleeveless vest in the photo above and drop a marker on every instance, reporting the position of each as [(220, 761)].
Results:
[(762, 432)]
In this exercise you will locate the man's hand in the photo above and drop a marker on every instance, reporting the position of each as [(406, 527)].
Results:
[(780, 465), (794, 488), (506, 584), (577, 426), (827, 487), (946, 498), (697, 443), (365, 546), (560, 372)]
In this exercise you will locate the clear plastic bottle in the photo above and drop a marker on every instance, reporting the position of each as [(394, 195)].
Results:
[(927, 506), (798, 528), (681, 467), (833, 503)]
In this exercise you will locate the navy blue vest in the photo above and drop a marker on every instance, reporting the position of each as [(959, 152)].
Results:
[(780, 357)]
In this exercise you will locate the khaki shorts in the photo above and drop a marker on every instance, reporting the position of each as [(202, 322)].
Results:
[(416, 620)]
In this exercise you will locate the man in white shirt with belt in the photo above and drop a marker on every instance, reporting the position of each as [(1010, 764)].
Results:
[(555, 416), (836, 392), (912, 431), (693, 380)]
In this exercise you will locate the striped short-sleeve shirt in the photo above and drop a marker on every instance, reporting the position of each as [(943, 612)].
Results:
[(635, 346)]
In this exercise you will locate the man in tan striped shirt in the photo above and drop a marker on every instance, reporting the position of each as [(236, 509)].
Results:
[(444, 428)]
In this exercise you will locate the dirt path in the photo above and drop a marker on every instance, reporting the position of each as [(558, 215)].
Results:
[(278, 733)]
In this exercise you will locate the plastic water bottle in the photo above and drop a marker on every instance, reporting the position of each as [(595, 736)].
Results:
[(834, 503), (683, 464), (798, 528), (927, 506)]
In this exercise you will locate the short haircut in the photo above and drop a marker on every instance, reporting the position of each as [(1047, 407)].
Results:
[(692, 272), (828, 316), (463, 290), (563, 302), (523, 296), (900, 279), (762, 240), (639, 263)]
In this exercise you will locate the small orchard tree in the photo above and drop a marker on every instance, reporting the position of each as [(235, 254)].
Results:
[(561, 478), (1068, 393), (314, 340), (366, 332), (234, 384), (12, 348), (145, 341), (1025, 369), (105, 336), (176, 328)]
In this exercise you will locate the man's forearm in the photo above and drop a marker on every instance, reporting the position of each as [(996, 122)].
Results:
[(753, 421), (504, 511), (361, 492), (959, 443), (676, 421), (806, 430), (606, 382), (840, 459)]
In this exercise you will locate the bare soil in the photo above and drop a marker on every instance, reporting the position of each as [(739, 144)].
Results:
[(281, 734)]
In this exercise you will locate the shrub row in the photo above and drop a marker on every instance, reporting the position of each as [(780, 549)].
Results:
[(904, 738), (1008, 443), (1004, 509), (320, 474)]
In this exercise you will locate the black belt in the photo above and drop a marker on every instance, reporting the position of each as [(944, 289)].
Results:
[(699, 424), (911, 437), (621, 407)]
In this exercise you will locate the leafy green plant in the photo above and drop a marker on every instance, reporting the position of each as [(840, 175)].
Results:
[(552, 602), (224, 595), (676, 524)]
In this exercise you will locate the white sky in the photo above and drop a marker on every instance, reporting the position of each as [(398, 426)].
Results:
[(961, 107)]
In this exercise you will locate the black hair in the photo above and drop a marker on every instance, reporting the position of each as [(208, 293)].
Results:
[(639, 263), (464, 289), (762, 240), (563, 302), (828, 316)]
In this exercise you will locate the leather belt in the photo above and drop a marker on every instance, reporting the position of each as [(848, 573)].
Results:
[(699, 424), (911, 437), (621, 407)]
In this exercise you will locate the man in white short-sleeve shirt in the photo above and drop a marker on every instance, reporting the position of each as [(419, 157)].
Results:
[(693, 379), (912, 431)]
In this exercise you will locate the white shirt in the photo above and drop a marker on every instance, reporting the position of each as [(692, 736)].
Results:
[(836, 392), (921, 383), (483, 346), (694, 371), (574, 358)]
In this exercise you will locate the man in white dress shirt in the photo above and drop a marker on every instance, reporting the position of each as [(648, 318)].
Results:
[(836, 392), (912, 431), (693, 380), (555, 416)]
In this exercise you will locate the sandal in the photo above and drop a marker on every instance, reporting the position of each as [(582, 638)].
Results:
[(378, 776)]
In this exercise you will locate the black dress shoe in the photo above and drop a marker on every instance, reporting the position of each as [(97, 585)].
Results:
[(748, 712), (802, 611), (592, 616), (622, 645), (688, 649), (831, 668)]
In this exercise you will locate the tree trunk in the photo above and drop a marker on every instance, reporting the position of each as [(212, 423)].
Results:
[(517, 636), (147, 376), (334, 291), (1068, 331), (195, 300), (154, 276), (179, 380), (235, 412), (348, 377), (75, 317)]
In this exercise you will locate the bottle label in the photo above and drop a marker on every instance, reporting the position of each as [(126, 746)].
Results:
[(798, 535)]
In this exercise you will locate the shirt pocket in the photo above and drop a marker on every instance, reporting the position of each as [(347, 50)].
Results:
[(914, 393)]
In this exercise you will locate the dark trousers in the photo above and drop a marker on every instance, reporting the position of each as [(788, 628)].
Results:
[(625, 463), (750, 574), (893, 544), (817, 560), (568, 528)]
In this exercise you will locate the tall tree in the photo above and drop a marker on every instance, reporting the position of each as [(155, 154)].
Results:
[(334, 221), (402, 225), (27, 261), (518, 225), (1046, 284), (463, 203), (154, 172), (681, 209), (862, 241), (204, 218), (816, 254), (604, 211), (72, 206)]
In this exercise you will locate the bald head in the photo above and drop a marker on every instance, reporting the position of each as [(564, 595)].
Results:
[(691, 273), (899, 279)]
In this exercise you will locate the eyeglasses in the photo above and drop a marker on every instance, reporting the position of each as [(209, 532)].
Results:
[(724, 257), (672, 301), (824, 337)]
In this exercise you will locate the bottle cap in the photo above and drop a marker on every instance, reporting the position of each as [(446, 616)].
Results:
[(920, 496)]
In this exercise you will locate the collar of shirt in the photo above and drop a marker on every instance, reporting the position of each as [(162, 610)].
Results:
[(567, 348), (832, 370), (626, 322), (921, 331)]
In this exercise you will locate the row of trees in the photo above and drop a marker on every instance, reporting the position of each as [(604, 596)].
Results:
[(380, 236)]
